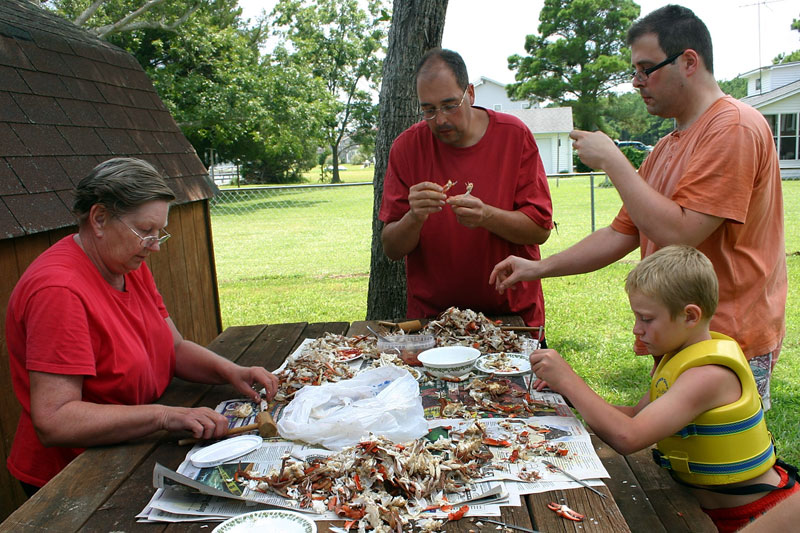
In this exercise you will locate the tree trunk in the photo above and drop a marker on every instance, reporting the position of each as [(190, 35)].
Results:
[(335, 161), (417, 26)]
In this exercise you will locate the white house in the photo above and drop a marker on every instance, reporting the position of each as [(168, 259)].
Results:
[(775, 92), (550, 126), (492, 95)]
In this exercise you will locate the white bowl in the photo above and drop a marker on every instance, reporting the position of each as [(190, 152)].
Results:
[(449, 361)]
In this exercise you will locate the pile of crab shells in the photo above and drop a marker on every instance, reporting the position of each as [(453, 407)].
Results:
[(378, 484), (469, 328)]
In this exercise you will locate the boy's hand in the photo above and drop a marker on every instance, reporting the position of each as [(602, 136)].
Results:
[(550, 367)]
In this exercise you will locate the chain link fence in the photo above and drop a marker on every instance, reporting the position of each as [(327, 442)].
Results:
[(243, 201)]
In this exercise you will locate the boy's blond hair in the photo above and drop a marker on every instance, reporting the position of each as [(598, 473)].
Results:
[(677, 276)]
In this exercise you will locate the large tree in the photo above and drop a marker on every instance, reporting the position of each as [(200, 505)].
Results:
[(210, 73), (417, 26), (341, 44), (577, 57)]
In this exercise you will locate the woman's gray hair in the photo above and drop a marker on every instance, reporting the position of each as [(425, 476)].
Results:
[(121, 185)]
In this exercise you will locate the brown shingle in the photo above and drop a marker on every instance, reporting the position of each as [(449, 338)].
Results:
[(10, 143), (50, 41), (146, 142), (193, 163), (114, 116), (44, 84), (81, 113), (78, 166), (84, 68), (83, 140), (113, 94), (45, 60), (9, 110), (67, 198), (140, 99), (190, 189), (112, 74), (10, 80), (40, 174), (171, 141), (164, 120), (171, 165), (9, 227), (11, 54), (140, 119), (119, 142), (40, 139), (41, 109), (39, 212), (9, 183), (83, 89)]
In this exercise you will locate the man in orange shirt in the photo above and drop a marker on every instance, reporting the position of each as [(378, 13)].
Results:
[(713, 183)]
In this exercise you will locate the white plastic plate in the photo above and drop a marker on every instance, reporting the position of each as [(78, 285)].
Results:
[(276, 520), (225, 450), (520, 363)]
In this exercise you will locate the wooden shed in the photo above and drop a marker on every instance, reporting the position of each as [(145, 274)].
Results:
[(69, 101)]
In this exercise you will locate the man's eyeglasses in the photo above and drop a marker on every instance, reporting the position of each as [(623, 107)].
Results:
[(429, 113), (150, 240), (643, 75)]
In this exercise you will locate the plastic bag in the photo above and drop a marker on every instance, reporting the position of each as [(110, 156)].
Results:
[(384, 401)]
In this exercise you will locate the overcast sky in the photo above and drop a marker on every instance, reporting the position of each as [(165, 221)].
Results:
[(486, 33)]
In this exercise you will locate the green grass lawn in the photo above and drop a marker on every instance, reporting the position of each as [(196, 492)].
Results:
[(303, 256)]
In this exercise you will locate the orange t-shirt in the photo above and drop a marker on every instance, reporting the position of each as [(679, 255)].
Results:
[(725, 165)]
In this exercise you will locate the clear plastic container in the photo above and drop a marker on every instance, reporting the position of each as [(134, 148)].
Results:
[(407, 346)]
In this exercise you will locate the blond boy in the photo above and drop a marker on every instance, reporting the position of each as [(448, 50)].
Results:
[(702, 411)]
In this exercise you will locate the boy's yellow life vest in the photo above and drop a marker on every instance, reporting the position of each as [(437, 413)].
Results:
[(727, 444)]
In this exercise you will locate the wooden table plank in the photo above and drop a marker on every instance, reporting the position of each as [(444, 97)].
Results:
[(675, 506), (628, 494), (601, 514)]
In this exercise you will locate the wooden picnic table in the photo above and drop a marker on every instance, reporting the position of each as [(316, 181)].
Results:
[(105, 487)]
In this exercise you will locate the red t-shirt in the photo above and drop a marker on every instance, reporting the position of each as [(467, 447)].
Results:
[(452, 263), (64, 318)]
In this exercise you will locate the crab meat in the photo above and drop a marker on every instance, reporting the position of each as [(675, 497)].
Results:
[(565, 512)]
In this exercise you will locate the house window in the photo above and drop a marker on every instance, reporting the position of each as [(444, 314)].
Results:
[(758, 84), (787, 141), (498, 107)]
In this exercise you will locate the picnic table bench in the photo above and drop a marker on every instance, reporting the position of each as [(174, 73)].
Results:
[(105, 487)]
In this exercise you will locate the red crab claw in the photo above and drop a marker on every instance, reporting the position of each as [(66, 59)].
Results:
[(565, 512)]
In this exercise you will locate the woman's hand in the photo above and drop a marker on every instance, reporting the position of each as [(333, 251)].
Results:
[(202, 422), (246, 379)]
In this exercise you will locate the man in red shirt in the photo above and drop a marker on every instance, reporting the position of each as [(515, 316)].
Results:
[(500, 203)]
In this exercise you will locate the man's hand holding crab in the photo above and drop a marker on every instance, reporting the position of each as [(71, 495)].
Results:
[(425, 199)]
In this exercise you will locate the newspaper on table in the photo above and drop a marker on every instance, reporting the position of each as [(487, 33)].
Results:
[(210, 493)]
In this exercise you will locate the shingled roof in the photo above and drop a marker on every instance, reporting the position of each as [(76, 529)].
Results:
[(67, 102)]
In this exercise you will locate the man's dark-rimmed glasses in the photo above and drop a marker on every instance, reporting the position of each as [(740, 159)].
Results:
[(643, 75)]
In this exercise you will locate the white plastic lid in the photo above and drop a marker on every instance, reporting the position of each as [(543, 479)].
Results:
[(225, 450)]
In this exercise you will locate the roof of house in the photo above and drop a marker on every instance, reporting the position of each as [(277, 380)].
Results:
[(779, 66), (484, 79), (69, 101), (546, 119), (760, 100)]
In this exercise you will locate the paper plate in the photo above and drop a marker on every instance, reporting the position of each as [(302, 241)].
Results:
[(276, 520), (225, 450), (519, 364)]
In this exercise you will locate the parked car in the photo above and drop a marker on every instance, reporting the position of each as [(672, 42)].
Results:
[(634, 144)]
